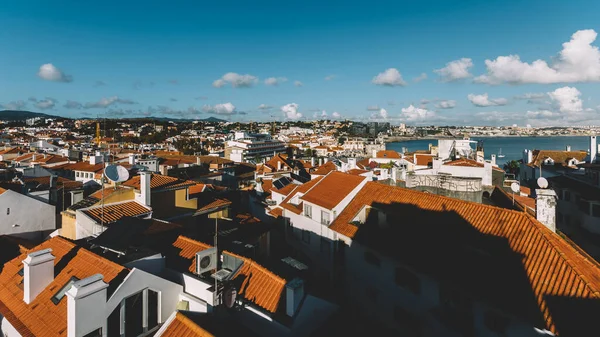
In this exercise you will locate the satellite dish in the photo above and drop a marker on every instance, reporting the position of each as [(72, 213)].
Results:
[(230, 296), (116, 173), (542, 182), (515, 187)]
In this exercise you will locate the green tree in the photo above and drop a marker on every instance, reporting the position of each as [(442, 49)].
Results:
[(512, 167), (309, 153), (341, 140)]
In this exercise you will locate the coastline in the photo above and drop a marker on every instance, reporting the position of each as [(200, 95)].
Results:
[(406, 139)]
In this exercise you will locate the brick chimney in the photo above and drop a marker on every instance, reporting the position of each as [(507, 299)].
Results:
[(86, 306), (545, 207), (38, 273)]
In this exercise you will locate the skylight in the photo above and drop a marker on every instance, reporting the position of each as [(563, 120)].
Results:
[(61, 293)]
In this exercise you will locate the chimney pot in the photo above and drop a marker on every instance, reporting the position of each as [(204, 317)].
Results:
[(145, 189), (294, 294)]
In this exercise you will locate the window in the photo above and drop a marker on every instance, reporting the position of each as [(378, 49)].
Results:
[(306, 236), (308, 211), (567, 196), (324, 218), (372, 259), (495, 322), (8, 211), (408, 280), (61, 293), (77, 174)]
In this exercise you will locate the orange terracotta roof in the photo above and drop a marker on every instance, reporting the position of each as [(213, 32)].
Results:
[(325, 168), (12, 150), (332, 189), (2, 190), (286, 190), (158, 181), (188, 249), (198, 188), (116, 211), (465, 162), (388, 154), (267, 185), (107, 191), (182, 326), (424, 159), (559, 157), (299, 189), (525, 190), (259, 285), (357, 172), (552, 266), (83, 166), (60, 182), (42, 317), (208, 202), (276, 212)]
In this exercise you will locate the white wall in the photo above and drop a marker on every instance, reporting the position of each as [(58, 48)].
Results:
[(8, 330), (27, 215), (138, 280)]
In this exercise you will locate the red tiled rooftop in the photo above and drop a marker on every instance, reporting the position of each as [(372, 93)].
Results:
[(188, 249), (388, 154), (553, 267), (114, 212), (332, 189)]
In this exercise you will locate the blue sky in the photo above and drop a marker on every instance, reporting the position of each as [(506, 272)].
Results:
[(353, 59)]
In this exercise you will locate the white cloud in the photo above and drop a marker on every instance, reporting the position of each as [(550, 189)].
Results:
[(420, 78), (578, 61), (298, 83), (106, 102), (414, 114), (336, 114), (390, 77), (45, 104), (567, 99), (220, 109), (484, 100), (373, 108), (265, 107), (15, 105), (531, 95), (446, 104), (455, 70), (49, 72), (324, 114), (291, 111), (73, 105), (330, 77), (275, 80), (236, 80), (381, 114)]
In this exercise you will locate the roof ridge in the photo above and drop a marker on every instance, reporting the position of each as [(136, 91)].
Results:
[(190, 240), (251, 263), (192, 325), (103, 259)]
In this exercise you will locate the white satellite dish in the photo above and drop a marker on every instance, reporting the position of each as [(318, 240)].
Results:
[(542, 182), (116, 173), (515, 187)]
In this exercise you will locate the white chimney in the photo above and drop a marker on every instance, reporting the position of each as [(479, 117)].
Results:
[(527, 156), (351, 163), (33, 157), (437, 163), (198, 161), (545, 207), (320, 161), (325, 160), (38, 273), (131, 159), (487, 174), (493, 160), (593, 149), (568, 148), (279, 165), (145, 178), (294, 291), (312, 161), (394, 174), (86, 306), (76, 196), (374, 153)]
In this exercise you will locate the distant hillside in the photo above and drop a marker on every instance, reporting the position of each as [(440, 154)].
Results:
[(213, 120), (14, 115)]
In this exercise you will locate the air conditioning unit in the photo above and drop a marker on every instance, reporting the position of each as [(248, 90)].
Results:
[(206, 260)]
